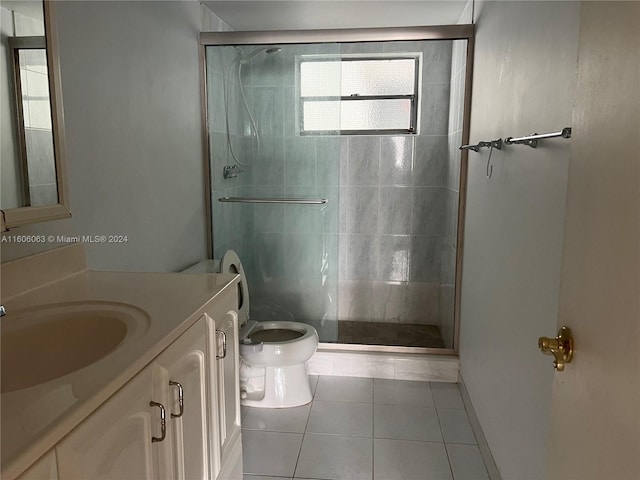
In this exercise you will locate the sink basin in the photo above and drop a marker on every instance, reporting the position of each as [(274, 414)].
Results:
[(44, 343)]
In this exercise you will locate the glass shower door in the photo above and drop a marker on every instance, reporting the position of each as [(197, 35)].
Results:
[(289, 251), (374, 128)]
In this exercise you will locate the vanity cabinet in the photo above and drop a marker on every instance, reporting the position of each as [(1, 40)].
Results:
[(183, 371), (194, 385), (116, 440), (174, 354), (126, 437), (227, 390)]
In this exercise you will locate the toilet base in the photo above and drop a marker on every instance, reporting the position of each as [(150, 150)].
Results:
[(284, 386)]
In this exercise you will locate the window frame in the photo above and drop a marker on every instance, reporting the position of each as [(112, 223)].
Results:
[(413, 98)]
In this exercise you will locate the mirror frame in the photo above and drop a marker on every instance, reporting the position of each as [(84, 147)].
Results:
[(15, 217)]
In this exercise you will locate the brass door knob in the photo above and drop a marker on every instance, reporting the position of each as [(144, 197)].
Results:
[(560, 347)]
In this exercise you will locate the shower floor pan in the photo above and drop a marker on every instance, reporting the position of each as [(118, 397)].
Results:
[(392, 334)]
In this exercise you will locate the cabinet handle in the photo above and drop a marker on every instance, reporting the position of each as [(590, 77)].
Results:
[(163, 422), (224, 344), (180, 399)]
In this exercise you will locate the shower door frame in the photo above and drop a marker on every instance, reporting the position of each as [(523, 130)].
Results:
[(384, 34)]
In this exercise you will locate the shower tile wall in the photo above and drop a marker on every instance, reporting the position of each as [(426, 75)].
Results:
[(294, 273), (375, 252), (394, 219), (233, 222)]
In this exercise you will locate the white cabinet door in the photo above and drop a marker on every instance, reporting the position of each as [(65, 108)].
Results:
[(184, 368), (228, 381), (116, 440), (201, 439)]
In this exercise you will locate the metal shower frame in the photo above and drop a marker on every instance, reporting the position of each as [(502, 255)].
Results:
[(417, 33)]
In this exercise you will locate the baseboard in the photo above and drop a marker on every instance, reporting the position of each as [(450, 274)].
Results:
[(489, 462), (431, 368)]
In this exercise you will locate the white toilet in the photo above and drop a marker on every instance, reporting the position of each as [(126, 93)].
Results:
[(273, 373)]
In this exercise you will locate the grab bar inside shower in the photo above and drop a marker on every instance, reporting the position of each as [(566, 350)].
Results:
[(296, 201)]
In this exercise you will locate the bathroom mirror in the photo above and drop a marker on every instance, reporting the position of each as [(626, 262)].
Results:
[(33, 166)]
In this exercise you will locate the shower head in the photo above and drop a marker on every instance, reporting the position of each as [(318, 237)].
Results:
[(244, 59)]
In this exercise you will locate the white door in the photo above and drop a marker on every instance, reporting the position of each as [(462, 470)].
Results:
[(185, 365), (595, 426)]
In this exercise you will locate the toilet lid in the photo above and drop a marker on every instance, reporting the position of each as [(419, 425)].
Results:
[(230, 263)]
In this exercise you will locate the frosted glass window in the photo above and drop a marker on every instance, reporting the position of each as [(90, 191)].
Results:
[(358, 77), (383, 114), (320, 79), (357, 95)]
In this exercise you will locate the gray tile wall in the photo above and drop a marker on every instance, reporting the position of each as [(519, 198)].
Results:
[(395, 191), (233, 226), (289, 251)]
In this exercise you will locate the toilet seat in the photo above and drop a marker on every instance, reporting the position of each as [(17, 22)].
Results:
[(230, 263), (278, 353), (306, 331), (279, 335)]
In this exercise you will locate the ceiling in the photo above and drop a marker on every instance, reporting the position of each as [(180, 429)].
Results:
[(304, 15)]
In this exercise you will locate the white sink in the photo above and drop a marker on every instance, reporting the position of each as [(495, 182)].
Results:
[(44, 343)]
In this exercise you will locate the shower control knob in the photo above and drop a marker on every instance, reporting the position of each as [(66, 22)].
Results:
[(232, 171)]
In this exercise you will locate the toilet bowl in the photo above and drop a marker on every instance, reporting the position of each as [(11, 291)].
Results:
[(273, 354), (273, 373)]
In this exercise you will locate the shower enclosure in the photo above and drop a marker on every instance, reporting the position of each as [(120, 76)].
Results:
[(335, 175)]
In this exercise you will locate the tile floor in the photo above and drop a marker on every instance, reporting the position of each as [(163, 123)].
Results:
[(364, 429)]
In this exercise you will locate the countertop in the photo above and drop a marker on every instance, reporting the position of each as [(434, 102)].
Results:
[(35, 419)]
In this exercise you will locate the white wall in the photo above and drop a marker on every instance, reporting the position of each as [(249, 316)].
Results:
[(131, 87), (132, 110), (524, 82)]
